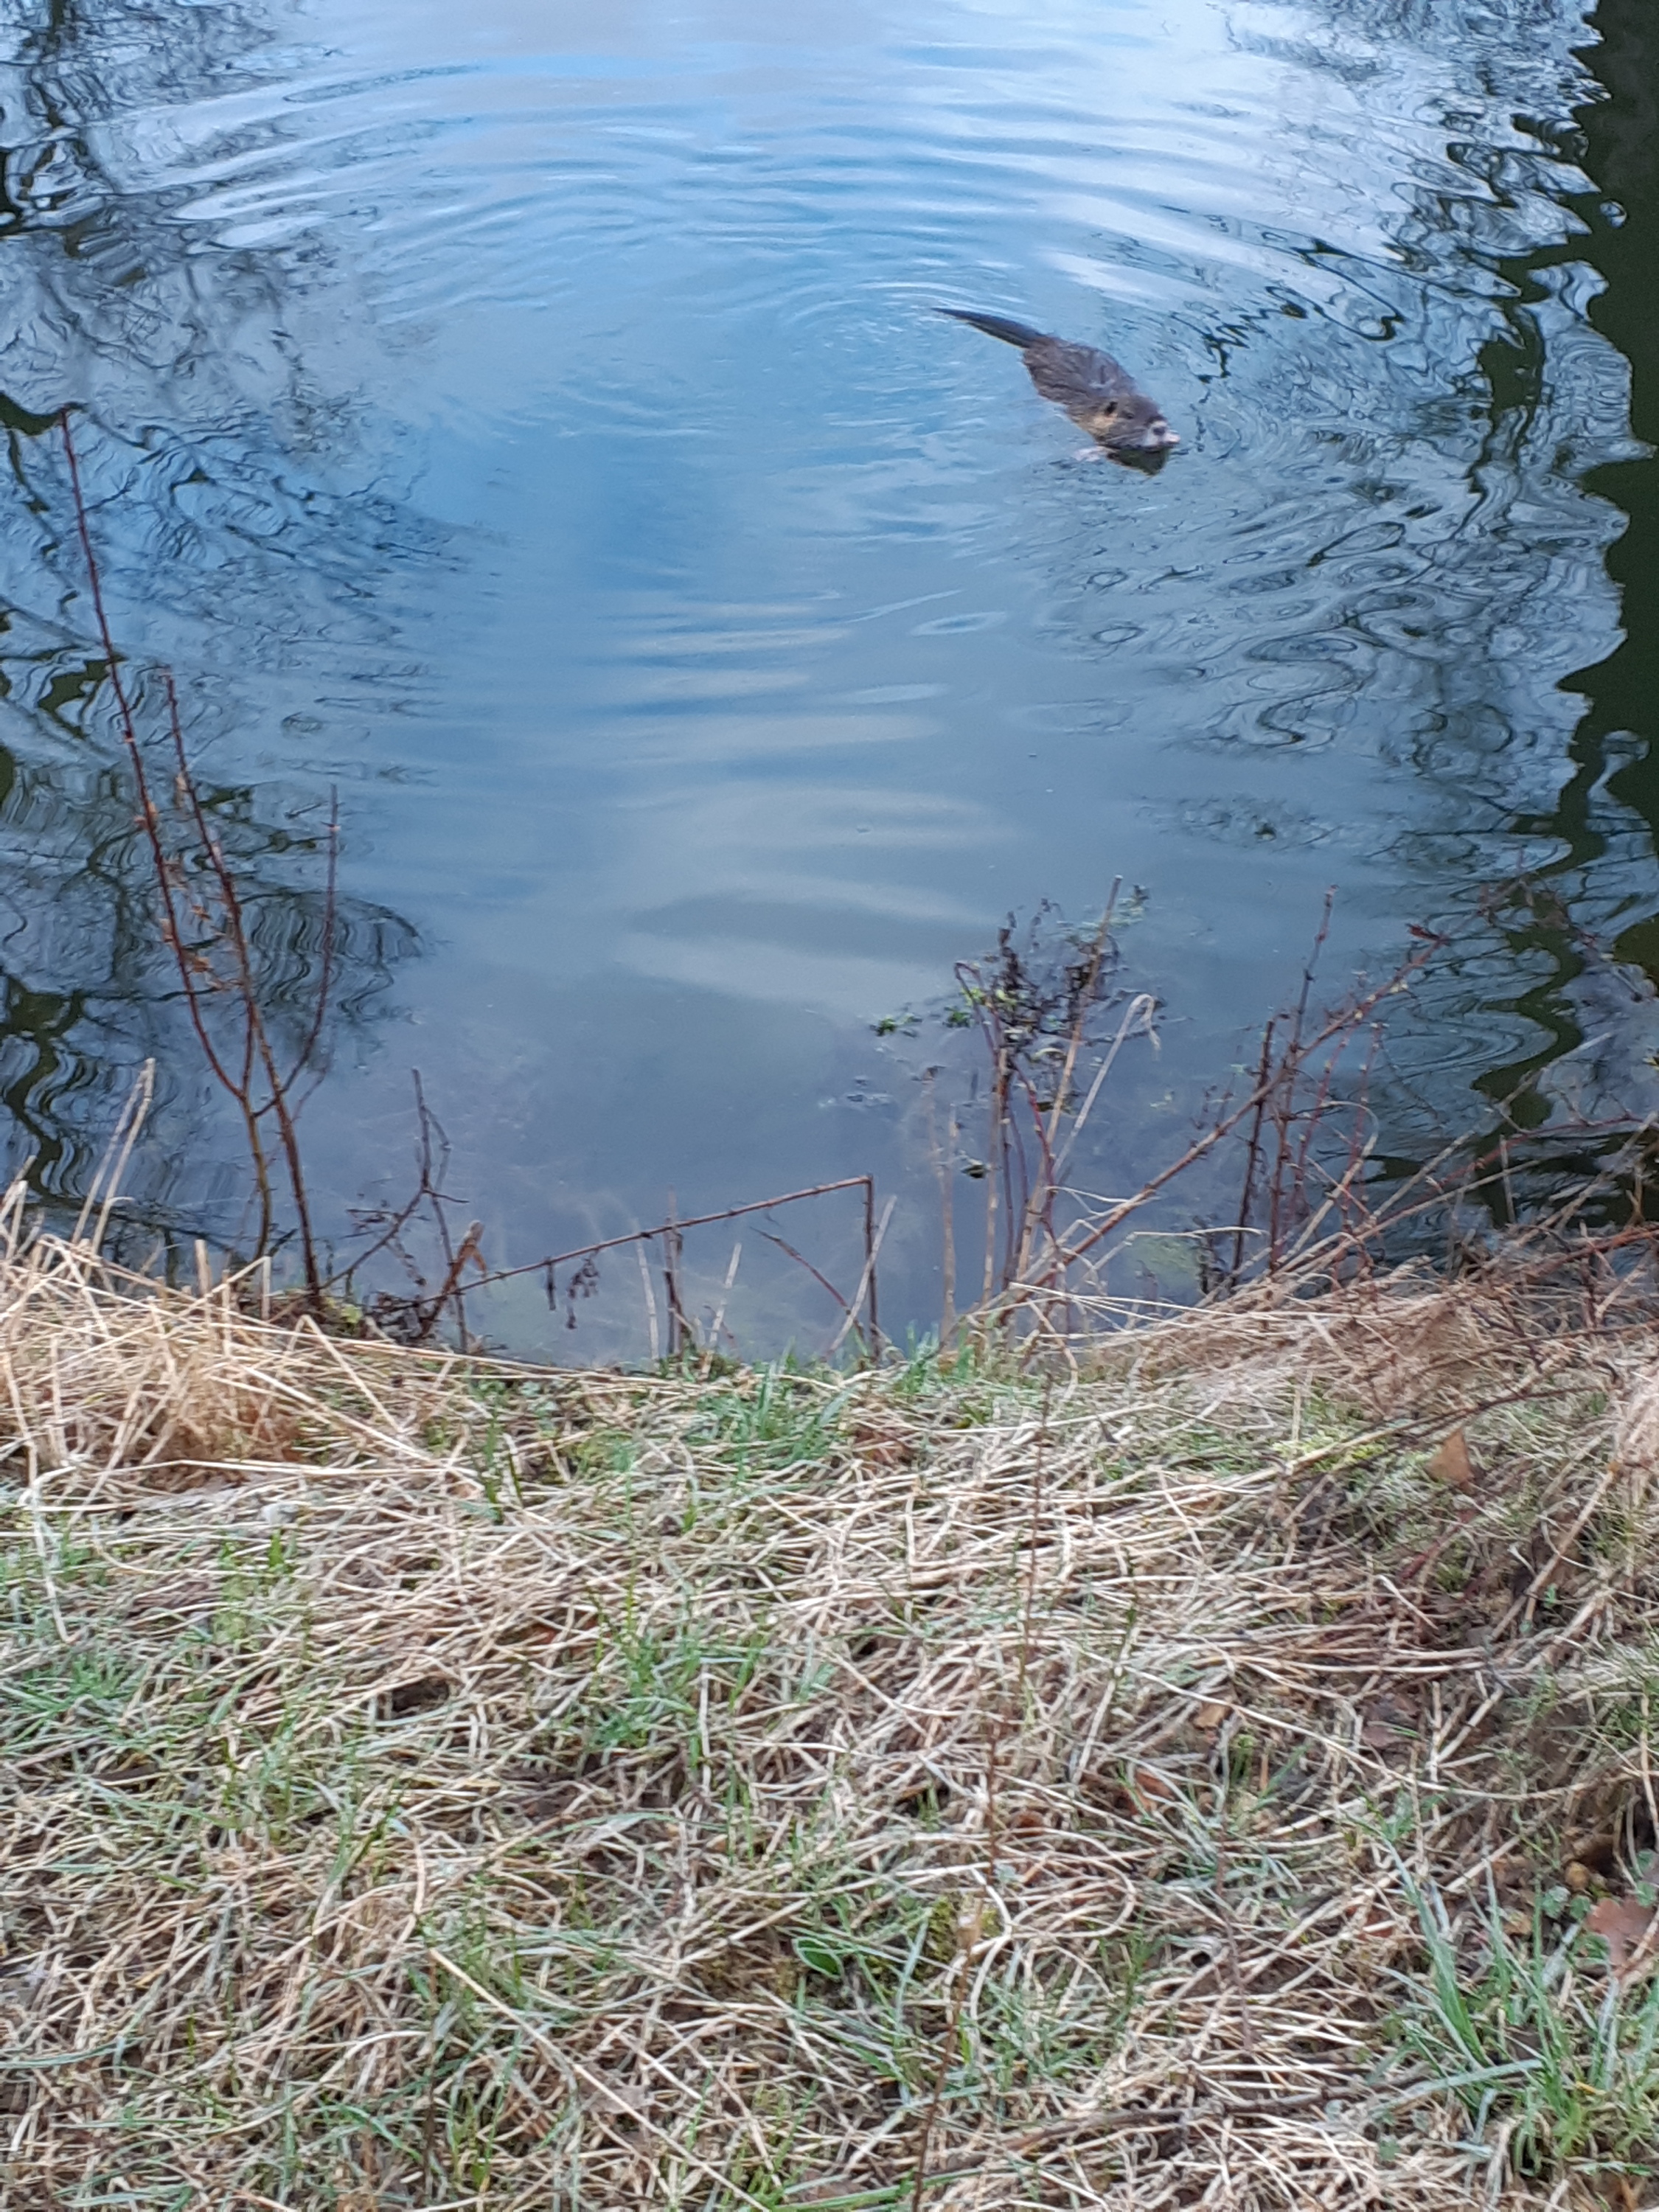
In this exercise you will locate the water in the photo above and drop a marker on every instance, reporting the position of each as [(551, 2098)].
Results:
[(531, 420)]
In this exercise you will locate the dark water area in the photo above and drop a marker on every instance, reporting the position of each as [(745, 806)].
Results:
[(532, 421)]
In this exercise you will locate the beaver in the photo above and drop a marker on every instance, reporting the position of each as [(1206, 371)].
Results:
[(1099, 395)]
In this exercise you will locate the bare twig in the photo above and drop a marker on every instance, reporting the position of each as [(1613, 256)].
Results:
[(204, 921)]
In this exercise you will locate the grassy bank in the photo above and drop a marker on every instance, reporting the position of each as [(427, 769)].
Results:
[(1199, 1779)]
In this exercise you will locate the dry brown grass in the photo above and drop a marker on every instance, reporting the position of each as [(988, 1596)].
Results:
[(435, 1785)]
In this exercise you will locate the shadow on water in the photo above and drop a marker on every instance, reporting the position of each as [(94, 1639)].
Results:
[(194, 405)]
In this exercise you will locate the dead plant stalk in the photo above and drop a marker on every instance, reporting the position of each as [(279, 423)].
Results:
[(205, 927), (556, 1780)]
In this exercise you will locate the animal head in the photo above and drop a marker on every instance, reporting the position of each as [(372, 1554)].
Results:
[(1135, 425)]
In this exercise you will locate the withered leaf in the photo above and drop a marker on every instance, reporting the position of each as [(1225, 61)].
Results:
[(622, 2098), (1387, 1720), (881, 1447), (1149, 1787), (1617, 2192), (1452, 1465), (1625, 1926)]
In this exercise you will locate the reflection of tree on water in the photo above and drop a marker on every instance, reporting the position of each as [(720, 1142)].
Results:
[(1495, 575), (1605, 822), (1621, 720), (221, 551)]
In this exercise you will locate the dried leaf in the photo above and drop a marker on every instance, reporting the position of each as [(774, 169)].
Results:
[(622, 2098), (1616, 2191), (1210, 1717), (1386, 1722), (1624, 1925), (1452, 1465), (1149, 1787), (880, 1447)]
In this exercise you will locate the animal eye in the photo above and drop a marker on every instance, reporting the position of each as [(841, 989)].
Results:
[(1110, 408)]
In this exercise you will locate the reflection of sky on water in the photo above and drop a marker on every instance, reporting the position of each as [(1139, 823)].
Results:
[(534, 420)]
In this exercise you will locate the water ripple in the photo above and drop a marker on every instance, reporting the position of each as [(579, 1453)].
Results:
[(540, 418)]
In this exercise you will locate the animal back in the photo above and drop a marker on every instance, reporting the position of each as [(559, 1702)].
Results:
[(1079, 378)]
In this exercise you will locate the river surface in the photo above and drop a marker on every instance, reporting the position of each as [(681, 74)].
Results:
[(531, 420)]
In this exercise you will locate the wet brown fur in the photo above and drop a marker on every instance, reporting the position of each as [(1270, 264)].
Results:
[(1097, 392)]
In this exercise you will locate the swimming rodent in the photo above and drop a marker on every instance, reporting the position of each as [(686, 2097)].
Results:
[(1100, 395)]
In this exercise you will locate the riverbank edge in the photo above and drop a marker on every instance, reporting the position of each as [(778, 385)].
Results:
[(1221, 1772)]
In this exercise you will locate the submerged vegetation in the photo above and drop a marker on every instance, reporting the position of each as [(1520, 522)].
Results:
[(1216, 1771)]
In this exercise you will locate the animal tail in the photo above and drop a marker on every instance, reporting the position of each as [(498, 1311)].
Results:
[(995, 327)]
